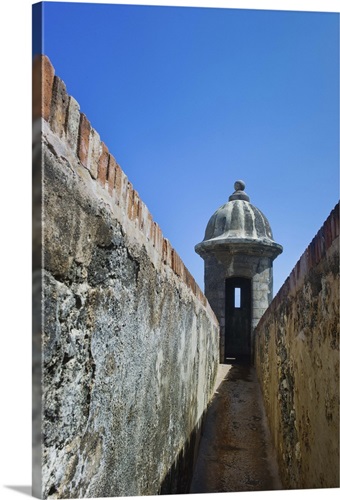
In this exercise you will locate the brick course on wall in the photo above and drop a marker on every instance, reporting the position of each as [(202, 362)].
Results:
[(62, 113), (297, 361), (129, 341)]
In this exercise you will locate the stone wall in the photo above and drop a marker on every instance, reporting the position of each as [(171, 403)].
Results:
[(297, 361), (220, 266), (129, 345)]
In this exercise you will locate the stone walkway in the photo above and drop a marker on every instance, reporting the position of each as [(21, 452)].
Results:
[(236, 453)]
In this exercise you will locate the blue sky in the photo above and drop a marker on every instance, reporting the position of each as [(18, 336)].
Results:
[(190, 99)]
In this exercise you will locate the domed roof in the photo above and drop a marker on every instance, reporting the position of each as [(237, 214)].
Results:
[(238, 222)]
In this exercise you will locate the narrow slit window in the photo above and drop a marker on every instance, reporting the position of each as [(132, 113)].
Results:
[(237, 298)]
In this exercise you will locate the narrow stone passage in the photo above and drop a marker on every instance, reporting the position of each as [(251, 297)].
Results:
[(236, 453)]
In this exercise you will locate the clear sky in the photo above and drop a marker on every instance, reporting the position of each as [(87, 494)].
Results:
[(190, 99)]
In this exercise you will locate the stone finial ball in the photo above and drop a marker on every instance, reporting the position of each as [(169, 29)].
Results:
[(239, 186)]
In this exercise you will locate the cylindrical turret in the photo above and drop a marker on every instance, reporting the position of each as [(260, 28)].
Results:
[(238, 251)]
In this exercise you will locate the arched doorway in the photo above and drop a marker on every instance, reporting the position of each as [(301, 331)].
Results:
[(237, 319)]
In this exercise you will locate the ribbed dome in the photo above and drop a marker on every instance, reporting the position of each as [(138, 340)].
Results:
[(238, 222), (238, 219)]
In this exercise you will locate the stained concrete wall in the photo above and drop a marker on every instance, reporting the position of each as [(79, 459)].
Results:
[(129, 345), (297, 361)]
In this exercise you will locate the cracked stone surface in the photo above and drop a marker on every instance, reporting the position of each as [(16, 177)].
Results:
[(236, 453), (129, 355)]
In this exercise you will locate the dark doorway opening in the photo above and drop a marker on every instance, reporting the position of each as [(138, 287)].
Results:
[(237, 320)]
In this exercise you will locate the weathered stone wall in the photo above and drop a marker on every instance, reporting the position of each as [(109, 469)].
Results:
[(220, 266), (297, 361), (130, 346)]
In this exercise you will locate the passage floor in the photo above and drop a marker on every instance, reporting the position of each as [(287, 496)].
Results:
[(236, 452)]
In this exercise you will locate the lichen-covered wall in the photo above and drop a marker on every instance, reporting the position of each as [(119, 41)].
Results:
[(130, 346), (297, 362)]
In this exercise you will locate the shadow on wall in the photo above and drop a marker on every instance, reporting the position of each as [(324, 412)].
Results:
[(179, 477)]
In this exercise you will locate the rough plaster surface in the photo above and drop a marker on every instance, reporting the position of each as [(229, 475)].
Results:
[(297, 361), (129, 352)]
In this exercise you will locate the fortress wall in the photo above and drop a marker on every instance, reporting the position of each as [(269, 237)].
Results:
[(129, 344), (297, 362)]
